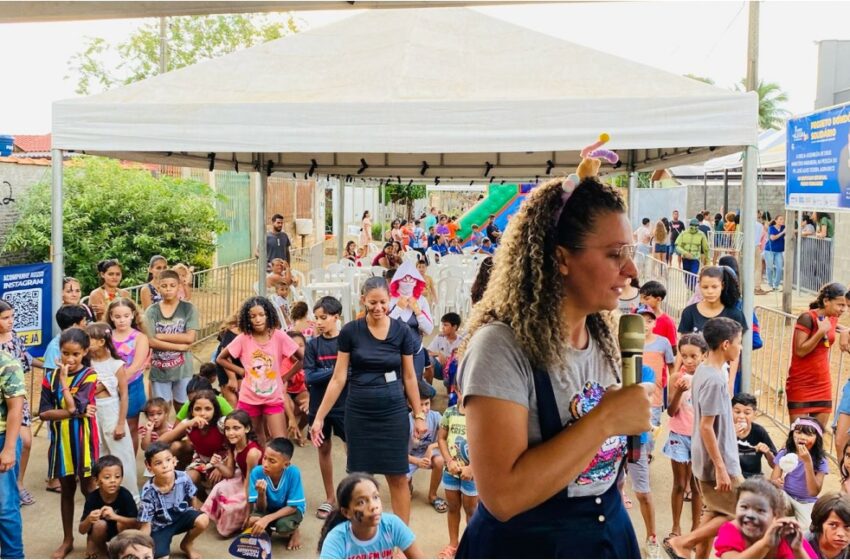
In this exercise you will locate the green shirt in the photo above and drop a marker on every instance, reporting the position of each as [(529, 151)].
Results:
[(225, 407), (830, 228), (694, 244), (11, 384), (168, 365)]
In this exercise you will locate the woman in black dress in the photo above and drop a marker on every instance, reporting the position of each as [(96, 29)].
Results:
[(379, 352)]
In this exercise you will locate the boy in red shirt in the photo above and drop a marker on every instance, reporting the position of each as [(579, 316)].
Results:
[(652, 293)]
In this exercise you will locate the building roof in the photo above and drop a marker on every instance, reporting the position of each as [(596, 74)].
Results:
[(32, 142)]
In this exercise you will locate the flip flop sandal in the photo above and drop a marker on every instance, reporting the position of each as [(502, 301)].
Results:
[(27, 499), (627, 502), (689, 496), (324, 510), (668, 548), (440, 506)]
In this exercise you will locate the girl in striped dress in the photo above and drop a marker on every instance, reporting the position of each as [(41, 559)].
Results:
[(68, 404)]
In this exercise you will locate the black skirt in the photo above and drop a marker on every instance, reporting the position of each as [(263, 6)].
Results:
[(377, 428)]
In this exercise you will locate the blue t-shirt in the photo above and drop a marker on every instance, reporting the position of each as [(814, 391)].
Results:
[(161, 510), (647, 375), (392, 532), (776, 245), (417, 447), (289, 492), (52, 353)]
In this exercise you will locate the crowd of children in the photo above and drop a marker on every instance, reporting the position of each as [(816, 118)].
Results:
[(227, 458)]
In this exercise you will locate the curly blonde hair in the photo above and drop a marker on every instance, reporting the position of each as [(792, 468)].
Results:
[(526, 287)]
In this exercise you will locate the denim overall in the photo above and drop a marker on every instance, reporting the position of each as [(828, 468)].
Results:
[(560, 527)]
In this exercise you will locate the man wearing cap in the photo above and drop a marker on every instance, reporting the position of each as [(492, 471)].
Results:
[(692, 247)]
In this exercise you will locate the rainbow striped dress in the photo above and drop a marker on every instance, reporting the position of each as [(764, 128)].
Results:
[(74, 444)]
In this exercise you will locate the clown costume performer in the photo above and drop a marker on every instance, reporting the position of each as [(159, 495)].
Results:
[(408, 305)]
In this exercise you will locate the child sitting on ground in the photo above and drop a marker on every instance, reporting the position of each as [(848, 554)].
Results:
[(201, 383), (110, 509), (829, 534), (167, 505), (424, 452), (759, 529), (276, 494), (358, 528)]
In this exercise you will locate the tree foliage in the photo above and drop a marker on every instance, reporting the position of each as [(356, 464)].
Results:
[(771, 97), (190, 39), (128, 214), (405, 194)]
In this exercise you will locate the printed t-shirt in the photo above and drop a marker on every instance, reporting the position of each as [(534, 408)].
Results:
[(495, 366), (418, 447), (11, 384), (262, 363), (391, 533), (288, 493), (170, 365), (159, 509)]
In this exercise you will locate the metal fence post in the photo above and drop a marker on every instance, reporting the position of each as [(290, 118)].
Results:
[(228, 285)]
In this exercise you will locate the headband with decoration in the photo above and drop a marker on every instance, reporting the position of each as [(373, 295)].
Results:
[(591, 157), (808, 422)]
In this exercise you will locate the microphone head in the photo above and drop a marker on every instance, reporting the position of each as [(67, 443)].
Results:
[(630, 333)]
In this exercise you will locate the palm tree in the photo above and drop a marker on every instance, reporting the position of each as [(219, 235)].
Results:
[(771, 114)]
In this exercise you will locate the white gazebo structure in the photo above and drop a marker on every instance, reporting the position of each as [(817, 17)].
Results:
[(412, 94)]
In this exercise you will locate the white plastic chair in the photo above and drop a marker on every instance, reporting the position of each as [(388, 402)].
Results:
[(449, 295), (452, 271), (347, 263), (299, 277), (433, 256), (316, 275), (379, 271)]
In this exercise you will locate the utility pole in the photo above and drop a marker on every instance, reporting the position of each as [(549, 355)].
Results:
[(163, 45)]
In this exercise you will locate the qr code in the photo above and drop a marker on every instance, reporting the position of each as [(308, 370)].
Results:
[(27, 306)]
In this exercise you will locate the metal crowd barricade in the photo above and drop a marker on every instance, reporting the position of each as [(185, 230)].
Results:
[(679, 283), (813, 268), (725, 243)]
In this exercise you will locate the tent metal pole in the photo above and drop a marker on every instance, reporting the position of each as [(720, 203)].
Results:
[(748, 266), (799, 256), (260, 212), (339, 220), (633, 207), (57, 241)]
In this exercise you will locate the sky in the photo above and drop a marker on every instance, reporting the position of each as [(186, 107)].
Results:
[(702, 38)]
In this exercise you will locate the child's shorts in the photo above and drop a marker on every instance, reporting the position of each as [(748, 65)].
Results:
[(678, 448), (413, 468), (136, 397), (452, 482), (171, 390), (639, 472), (255, 410), (180, 523), (287, 524)]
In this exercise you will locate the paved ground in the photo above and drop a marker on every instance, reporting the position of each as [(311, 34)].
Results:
[(43, 532)]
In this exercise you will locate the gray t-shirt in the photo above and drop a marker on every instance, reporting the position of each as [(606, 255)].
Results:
[(710, 397), (495, 366), (169, 365)]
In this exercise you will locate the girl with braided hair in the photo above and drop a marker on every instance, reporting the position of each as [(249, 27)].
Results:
[(540, 377)]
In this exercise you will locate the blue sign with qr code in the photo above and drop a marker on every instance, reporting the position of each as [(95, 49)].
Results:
[(27, 288)]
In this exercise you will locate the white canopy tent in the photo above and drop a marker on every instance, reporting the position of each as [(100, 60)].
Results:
[(448, 93)]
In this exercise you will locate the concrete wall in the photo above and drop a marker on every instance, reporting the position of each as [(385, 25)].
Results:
[(15, 182), (770, 197), (833, 85), (841, 259)]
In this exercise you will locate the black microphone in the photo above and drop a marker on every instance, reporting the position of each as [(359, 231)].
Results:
[(631, 338)]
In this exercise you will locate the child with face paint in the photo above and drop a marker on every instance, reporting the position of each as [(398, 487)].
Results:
[(802, 479), (759, 530), (409, 305), (829, 534)]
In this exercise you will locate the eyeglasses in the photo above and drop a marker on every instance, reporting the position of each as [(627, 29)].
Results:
[(623, 254)]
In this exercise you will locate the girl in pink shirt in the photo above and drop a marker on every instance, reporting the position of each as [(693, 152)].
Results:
[(759, 530), (262, 348), (692, 349)]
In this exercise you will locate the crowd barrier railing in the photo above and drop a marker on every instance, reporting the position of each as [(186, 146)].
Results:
[(813, 268)]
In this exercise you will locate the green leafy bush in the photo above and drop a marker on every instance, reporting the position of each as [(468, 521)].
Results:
[(128, 214)]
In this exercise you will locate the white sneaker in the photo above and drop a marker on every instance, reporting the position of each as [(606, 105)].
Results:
[(653, 549)]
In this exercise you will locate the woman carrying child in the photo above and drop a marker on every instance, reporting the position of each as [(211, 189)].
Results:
[(227, 503), (68, 404), (111, 401), (131, 345)]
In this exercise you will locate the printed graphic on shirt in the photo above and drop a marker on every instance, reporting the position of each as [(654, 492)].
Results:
[(604, 465), (167, 359), (260, 374)]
